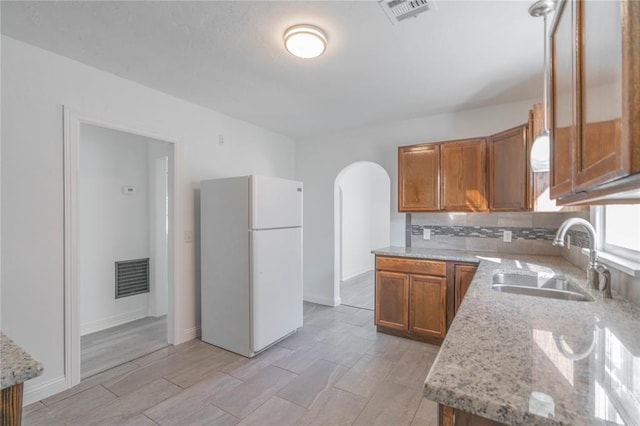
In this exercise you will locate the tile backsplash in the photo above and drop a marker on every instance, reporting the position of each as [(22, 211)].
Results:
[(532, 233), (622, 284)]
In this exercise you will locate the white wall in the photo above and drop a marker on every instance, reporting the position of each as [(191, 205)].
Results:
[(36, 84), (380, 232), (364, 191), (113, 226), (320, 159), (356, 223), (158, 228)]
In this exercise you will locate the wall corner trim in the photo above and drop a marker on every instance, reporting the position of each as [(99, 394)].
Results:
[(191, 333)]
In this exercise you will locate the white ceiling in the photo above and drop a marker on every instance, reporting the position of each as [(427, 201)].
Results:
[(229, 56)]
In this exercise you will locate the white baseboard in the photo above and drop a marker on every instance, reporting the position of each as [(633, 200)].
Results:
[(43, 390), (357, 274), (104, 323), (321, 300), (192, 333)]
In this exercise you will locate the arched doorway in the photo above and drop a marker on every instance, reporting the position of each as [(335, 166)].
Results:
[(362, 194)]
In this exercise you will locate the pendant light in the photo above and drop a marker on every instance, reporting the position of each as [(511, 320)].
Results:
[(540, 149)]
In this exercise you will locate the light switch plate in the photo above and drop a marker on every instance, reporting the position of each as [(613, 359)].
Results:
[(188, 236), (506, 236), (426, 233)]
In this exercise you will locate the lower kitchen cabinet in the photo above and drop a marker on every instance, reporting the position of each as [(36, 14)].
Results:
[(428, 305), (448, 416), (414, 297), (411, 298), (392, 300), (462, 276)]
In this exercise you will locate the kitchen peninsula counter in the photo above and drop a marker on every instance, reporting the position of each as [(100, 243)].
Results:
[(16, 367), (519, 359)]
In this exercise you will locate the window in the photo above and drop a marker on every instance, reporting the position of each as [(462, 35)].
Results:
[(620, 230)]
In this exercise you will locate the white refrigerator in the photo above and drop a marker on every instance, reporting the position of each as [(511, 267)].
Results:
[(251, 261)]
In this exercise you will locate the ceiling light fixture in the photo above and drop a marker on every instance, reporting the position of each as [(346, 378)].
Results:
[(541, 145), (305, 41)]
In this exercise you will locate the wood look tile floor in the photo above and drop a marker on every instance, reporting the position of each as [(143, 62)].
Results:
[(359, 291), (336, 370), (108, 348)]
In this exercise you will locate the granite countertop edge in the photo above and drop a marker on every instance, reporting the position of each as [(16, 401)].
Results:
[(450, 382), (16, 365)]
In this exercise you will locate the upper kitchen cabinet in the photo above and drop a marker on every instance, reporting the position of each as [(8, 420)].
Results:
[(463, 177), (609, 77), (563, 105), (419, 171), (509, 170), (595, 102)]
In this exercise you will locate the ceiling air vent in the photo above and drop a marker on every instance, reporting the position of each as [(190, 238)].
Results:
[(397, 10)]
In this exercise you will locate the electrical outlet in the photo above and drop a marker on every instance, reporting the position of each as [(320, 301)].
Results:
[(220, 139), (188, 236), (426, 233), (506, 236)]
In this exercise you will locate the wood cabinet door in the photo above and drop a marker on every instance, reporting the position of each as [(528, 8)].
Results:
[(392, 300), (418, 178), (603, 36), (463, 275), (428, 305), (509, 170), (463, 179), (563, 108)]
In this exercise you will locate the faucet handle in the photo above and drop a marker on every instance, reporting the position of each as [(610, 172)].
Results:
[(606, 273)]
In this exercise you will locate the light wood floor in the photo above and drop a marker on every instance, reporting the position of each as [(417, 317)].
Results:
[(108, 348), (359, 291), (335, 371)]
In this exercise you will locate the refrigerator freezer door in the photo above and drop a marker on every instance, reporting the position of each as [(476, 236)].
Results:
[(275, 203), (276, 275)]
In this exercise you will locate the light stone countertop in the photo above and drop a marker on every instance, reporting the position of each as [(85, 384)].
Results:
[(16, 366), (530, 360)]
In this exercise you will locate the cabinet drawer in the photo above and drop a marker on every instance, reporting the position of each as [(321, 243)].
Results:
[(412, 266)]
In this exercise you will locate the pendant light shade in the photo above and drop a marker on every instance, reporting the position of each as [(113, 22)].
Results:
[(540, 153), (541, 148)]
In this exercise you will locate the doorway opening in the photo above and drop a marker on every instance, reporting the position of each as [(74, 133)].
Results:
[(362, 193), (123, 225), (120, 246)]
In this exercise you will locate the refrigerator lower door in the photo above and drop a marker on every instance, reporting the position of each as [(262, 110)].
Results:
[(276, 290)]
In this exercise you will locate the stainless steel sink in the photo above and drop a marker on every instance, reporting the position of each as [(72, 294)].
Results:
[(541, 285), (527, 280)]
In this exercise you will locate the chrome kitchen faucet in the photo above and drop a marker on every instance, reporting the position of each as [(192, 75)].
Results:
[(593, 268)]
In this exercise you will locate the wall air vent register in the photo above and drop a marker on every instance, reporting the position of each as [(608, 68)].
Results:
[(132, 277)]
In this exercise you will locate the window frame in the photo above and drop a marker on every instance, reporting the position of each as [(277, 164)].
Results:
[(626, 260)]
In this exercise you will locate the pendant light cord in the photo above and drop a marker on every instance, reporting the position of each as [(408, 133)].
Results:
[(545, 93)]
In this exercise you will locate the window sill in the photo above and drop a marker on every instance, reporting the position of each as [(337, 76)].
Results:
[(622, 264)]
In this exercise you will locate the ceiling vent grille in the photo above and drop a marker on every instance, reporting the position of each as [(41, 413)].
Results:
[(132, 277), (397, 10)]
